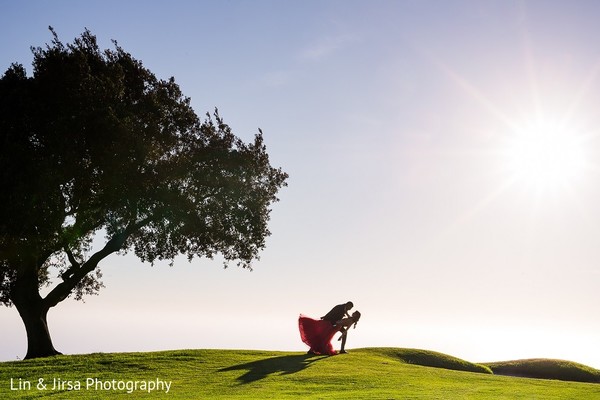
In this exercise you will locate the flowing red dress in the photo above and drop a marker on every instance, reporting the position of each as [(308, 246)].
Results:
[(317, 334)]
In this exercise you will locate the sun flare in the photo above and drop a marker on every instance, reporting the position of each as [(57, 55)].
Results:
[(546, 155)]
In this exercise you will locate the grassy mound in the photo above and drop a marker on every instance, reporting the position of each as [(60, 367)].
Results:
[(542, 368), (427, 358), (372, 373)]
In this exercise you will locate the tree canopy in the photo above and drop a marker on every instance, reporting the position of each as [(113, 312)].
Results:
[(95, 142)]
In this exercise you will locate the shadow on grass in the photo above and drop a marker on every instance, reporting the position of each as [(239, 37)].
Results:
[(284, 365)]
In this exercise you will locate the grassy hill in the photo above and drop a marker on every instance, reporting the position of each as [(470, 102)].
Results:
[(542, 368), (372, 373)]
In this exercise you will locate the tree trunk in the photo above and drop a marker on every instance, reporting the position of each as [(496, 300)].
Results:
[(33, 312), (39, 343)]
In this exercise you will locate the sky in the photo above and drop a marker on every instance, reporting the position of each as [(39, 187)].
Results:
[(444, 162)]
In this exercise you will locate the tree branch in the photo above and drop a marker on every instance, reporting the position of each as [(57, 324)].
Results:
[(74, 265), (64, 289), (78, 271), (71, 257)]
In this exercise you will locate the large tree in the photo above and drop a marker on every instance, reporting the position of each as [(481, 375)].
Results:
[(94, 144)]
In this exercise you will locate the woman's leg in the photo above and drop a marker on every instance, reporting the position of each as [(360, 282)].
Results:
[(344, 332)]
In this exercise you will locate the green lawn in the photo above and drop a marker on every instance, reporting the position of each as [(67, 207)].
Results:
[(374, 373)]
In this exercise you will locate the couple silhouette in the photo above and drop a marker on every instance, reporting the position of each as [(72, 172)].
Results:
[(317, 333)]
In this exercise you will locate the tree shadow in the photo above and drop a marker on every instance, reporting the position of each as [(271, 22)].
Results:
[(284, 365)]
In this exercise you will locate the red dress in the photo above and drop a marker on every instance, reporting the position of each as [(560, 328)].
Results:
[(317, 334)]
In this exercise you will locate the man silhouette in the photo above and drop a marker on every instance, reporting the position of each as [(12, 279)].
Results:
[(338, 312)]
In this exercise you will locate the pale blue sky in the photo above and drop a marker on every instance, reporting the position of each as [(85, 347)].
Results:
[(398, 124)]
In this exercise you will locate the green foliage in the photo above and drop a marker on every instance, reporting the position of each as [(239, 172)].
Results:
[(547, 369), (95, 141), (238, 374)]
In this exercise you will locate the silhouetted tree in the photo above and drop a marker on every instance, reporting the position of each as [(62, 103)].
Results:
[(94, 142)]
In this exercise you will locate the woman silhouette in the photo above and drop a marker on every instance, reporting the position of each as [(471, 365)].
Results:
[(344, 325)]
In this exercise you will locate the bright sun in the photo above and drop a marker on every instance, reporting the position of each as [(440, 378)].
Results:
[(546, 156)]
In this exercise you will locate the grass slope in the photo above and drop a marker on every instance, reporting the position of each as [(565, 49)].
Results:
[(375, 373), (546, 369), (427, 358)]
